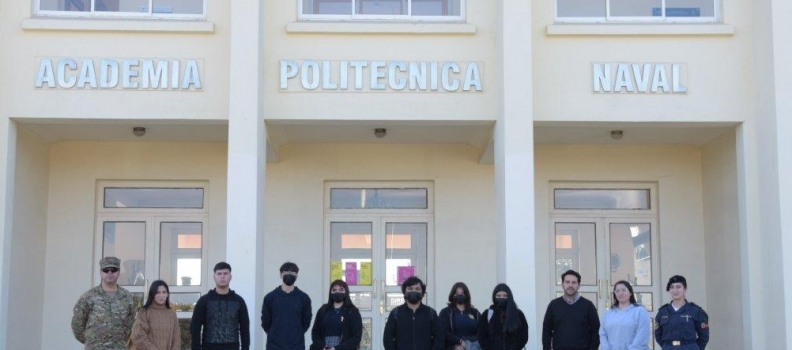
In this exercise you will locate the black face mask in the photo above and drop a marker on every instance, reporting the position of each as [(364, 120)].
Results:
[(460, 299), (413, 297), (501, 302), (289, 279), (337, 297)]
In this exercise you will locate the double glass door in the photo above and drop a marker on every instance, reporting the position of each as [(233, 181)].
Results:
[(374, 254), (604, 251)]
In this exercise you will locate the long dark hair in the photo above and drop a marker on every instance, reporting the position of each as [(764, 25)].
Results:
[(465, 291), (512, 319), (347, 301), (629, 288), (153, 291)]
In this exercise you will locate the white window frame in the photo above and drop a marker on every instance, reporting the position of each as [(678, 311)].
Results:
[(153, 218), (716, 18), (428, 185), (112, 14), (360, 18)]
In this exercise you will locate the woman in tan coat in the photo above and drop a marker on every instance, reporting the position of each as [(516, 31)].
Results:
[(156, 326)]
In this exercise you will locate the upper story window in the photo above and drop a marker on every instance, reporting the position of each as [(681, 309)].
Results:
[(417, 10), (192, 9), (637, 11)]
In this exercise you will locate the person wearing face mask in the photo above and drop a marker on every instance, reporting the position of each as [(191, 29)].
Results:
[(503, 326), (413, 325), (459, 320), (286, 312), (625, 326), (681, 325), (338, 325)]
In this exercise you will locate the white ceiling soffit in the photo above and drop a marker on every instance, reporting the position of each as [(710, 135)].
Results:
[(697, 134), (55, 130)]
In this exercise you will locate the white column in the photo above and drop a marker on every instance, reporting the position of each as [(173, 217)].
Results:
[(246, 157), (7, 161), (514, 163), (782, 69)]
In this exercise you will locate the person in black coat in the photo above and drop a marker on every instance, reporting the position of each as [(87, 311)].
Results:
[(503, 326), (459, 320), (413, 325), (338, 325)]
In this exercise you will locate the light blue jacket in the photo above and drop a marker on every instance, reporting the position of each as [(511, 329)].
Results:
[(626, 329)]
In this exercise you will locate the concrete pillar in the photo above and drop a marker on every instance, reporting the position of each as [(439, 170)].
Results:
[(782, 72), (7, 161), (246, 157), (514, 162)]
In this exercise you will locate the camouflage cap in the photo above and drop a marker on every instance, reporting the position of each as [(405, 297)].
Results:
[(110, 261)]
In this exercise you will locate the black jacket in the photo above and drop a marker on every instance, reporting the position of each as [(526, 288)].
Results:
[(447, 324), (285, 318), (224, 321), (408, 330), (350, 336), (492, 337)]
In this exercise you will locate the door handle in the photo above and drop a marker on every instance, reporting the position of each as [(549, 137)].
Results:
[(599, 288), (374, 289)]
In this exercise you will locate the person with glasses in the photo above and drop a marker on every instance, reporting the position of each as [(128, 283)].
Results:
[(286, 312), (157, 326), (103, 316)]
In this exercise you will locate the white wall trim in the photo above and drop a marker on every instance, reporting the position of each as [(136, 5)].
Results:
[(641, 29), (380, 28), (117, 25)]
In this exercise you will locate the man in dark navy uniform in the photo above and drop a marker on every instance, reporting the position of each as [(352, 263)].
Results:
[(681, 325)]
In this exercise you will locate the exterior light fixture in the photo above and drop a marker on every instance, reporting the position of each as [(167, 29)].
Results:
[(617, 134), (380, 132), (139, 131)]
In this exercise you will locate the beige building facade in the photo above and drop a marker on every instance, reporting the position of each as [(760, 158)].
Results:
[(368, 140)]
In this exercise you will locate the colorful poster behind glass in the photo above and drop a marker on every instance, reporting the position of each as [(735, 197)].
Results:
[(404, 272), (365, 274), (335, 270), (351, 273)]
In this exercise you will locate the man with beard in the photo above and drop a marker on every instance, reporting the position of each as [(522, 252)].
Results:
[(413, 325), (571, 321), (220, 320), (286, 312)]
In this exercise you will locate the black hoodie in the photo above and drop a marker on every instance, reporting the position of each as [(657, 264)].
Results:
[(224, 320), (285, 318)]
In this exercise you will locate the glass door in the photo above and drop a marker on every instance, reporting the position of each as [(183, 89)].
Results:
[(374, 254), (605, 250)]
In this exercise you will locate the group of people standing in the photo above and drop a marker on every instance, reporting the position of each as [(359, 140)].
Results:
[(105, 319)]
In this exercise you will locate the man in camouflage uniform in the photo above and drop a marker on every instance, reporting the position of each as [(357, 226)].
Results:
[(103, 316)]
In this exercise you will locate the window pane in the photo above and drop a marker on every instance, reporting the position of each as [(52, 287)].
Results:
[(350, 253), (631, 253), (121, 5), (126, 241), (177, 198), (181, 253), (183, 302), (645, 299), (581, 8), (624, 199), (365, 340), (379, 198), (381, 7), (393, 300), (436, 8), (362, 300), (327, 7), (690, 8), (405, 250), (185, 7), (65, 5), (581, 254), (633, 8)]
